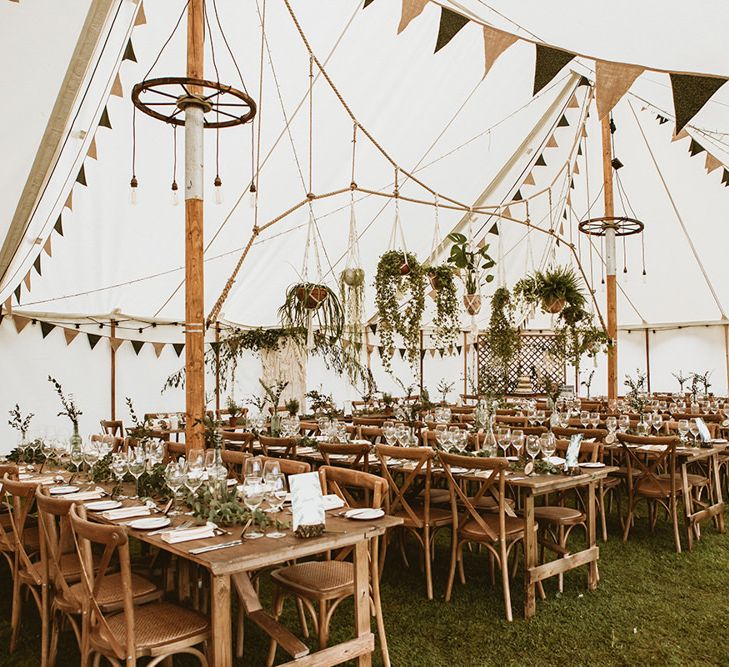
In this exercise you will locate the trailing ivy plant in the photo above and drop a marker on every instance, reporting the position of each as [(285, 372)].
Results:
[(502, 338), (447, 320), (574, 341), (399, 273)]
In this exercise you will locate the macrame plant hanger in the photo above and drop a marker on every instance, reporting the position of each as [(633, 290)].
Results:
[(397, 229), (312, 246)]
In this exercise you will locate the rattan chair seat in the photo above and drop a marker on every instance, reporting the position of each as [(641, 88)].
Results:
[(658, 487), (156, 625), (438, 516), (470, 530), (559, 516), (693, 480), (320, 578), (111, 593)]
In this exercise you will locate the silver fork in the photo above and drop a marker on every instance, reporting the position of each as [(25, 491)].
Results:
[(182, 526)]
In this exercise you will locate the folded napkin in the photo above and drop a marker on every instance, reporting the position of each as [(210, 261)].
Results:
[(341, 457), (332, 502), (653, 448), (305, 450), (126, 513), (189, 534), (32, 477), (97, 493)]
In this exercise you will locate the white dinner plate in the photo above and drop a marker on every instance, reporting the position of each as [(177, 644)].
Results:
[(592, 464), (103, 505), (62, 490), (512, 458), (150, 523), (365, 514), (556, 460)]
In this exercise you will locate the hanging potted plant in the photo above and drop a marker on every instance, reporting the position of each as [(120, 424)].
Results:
[(399, 273), (309, 302), (447, 320), (502, 338), (557, 290), (311, 295), (473, 264)]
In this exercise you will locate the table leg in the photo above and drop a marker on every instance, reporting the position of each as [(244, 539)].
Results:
[(362, 596), (530, 555), (688, 506), (593, 575), (718, 499), (221, 643)]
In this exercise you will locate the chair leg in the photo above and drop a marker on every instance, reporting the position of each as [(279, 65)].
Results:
[(323, 623), (44, 625), (426, 554), (452, 570), (375, 577), (563, 544), (278, 602), (603, 518), (505, 580), (302, 617), (17, 608), (53, 641), (239, 634)]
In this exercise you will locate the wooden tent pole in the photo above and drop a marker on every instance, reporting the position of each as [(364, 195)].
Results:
[(612, 315), (113, 371), (421, 362), (217, 370), (194, 285), (726, 353), (648, 359), (465, 363)]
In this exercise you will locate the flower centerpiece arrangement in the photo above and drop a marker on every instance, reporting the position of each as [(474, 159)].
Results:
[(473, 264), (235, 411), (273, 392), (636, 396), (70, 410), (141, 430), (681, 379), (19, 423)]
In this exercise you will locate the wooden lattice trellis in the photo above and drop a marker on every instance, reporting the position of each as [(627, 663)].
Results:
[(536, 359)]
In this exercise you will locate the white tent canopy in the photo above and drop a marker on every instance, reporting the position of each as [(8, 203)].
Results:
[(470, 139)]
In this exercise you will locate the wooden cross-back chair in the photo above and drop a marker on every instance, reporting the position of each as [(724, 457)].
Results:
[(7, 541), (61, 573), (113, 427), (510, 420), (350, 455), (327, 583), (175, 450), (589, 433), (308, 428), (370, 421), (374, 434), (278, 447), (498, 531), (157, 630), (20, 500), (235, 462), (117, 443), (237, 440), (652, 476), (420, 519)]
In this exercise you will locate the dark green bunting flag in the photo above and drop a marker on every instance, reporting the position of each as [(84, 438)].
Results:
[(549, 62), (450, 24), (93, 340), (690, 93), (46, 328)]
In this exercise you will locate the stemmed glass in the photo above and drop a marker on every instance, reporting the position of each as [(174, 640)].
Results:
[(253, 490), (91, 456), (175, 479), (517, 441), (137, 465), (564, 419), (594, 419), (253, 468), (460, 440), (532, 446), (623, 423), (441, 435), (275, 495), (504, 439), (683, 428), (584, 418), (612, 424), (657, 422), (119, 468), (548, 445), (401, 432), (694, 428), (388, 430)]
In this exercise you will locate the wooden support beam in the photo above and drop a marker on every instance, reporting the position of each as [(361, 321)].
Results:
[(113, 371), (422, 335), (217, 370), (726, 353), (648, 359), (465, 362), (612, 315)]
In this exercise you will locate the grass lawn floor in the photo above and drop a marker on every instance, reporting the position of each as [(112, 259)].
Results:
[(652, 607)]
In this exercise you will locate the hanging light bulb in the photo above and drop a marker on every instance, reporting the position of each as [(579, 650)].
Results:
[(645, 277), (133, 184), (218, 189), (253, 196), (175, 194)]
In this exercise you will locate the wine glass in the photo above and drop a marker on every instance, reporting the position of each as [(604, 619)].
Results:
[(253, 468), (540, 416), (623, 423), (533, 445), (683, 428), (612, 424), (517, 441), (271, 468), (564, 419), (401, 432), (460, 440), (694, 428), (548, 445), (504, 439), (119, 468), (657, 422), (275, 495), (175, 479), (584, 418), (390, 433), (253, 490), (137, 465), (594, 419)]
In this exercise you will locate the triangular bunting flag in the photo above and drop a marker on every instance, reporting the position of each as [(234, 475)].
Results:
[(373, 328), (576, 168), (70, 335), (517, 196), (37, 265), (141, 18), (116, 88), (93, 340), (662, 120), (8, 306), (92, 149), (579, 149), (584, 131), (46, 328), (129, 52), (402, 352), (690, 93), (137, 345), (573, 103), (564, 213), (561, 230), (494, 229), (158, 347), (552, 142), (548, 64), (345, 344), (116, 343), (612, 81), (58, 227), (695, 147), (563, 122), (584, 81), (475, 346), (495, 43), (711, 163), (506, 212), (178, 348), (441, 352), (459, 348), (529, 180), (20, 322), (367, 3), (422, 354), (105, 121), (432, 352), (69, 201), (81, 177), (410, 9), (450, 24), (540, 162), (47, 247), (26, 280), (680, 135), (572, 183), (17, 294)]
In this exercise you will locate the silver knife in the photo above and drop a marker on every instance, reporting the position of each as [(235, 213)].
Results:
[(215, 547)]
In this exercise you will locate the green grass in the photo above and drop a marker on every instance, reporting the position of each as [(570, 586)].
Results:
[(652, 607)]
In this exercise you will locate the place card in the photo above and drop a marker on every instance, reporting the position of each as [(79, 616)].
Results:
[(703, 430), (307, 500), (573, 451)]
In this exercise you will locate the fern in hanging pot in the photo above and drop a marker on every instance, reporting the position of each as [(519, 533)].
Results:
[(307, 304), (447, 320), (473, 264), (399, 273), (557, 290)]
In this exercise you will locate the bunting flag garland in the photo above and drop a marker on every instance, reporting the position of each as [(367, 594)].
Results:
[(402, 352), (105, 121), (529, 180), (116, 343), (116, 88), (137, 345), (579, 148), (662, 119), (141, 18), (58, 227), (410, 9), (373, 328), (158, 347), (495, 43), (690, 93), (70, 335), (552, 143), (450, 24), (178, 348), (517, 196), (612, 81), (695, 147), (549, 63), (432, 352), (712, 163), (92, 149), (81, 177), (129, 50), (93, 340), (540, 161), (46, 328), (20, 322), (563, 122)]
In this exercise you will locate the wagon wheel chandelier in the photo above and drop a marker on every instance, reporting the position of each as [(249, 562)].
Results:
[(623, 226)]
